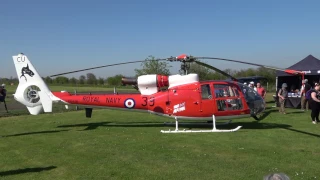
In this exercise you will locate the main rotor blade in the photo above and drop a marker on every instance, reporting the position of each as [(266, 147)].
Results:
[(243, 62), (216, 69), (131, 62)]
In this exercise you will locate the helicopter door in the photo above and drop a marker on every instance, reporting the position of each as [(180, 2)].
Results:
[(207, 103), (227, 99)]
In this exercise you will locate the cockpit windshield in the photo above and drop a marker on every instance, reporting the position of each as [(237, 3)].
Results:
[(254, 100)]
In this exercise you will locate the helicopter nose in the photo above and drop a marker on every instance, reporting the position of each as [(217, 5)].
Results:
[(258, 105), (254, 101)]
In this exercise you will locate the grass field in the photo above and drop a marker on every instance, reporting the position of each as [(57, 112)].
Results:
[(128, 145)]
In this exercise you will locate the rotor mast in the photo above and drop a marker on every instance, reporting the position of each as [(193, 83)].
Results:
[(185, 66)]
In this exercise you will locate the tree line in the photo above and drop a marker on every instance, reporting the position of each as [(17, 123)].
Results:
[(152, 66)]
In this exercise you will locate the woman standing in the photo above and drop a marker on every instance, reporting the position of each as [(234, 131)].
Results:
[(315, 103)]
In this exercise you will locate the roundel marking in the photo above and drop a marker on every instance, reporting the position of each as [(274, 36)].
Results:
[(129, 103)]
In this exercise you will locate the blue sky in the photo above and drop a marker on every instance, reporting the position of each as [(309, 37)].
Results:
[(60, 36)]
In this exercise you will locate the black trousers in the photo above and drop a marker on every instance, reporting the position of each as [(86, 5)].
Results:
[(315, 110)]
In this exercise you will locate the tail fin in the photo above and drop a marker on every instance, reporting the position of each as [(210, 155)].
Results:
[(32, 90)]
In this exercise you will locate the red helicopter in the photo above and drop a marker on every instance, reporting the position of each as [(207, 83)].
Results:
[(175, 96)]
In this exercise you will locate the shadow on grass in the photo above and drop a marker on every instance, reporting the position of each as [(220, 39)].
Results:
[(270, 110), (259, 125), (303, 132), (92, 126), (26, 170), (246, 125), (267, 113), (271, 101), (296, 112), (190, 125), (89, 126), (31, 133)]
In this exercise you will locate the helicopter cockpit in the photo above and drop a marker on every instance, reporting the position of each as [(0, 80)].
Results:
[(227, 97)]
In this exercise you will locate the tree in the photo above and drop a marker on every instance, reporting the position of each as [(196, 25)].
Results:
[(73, 81), (8, 81), (61, 80), (101, 81), (115, 80), (203, 72), (48, 80), (91, 79), (213, 75), (82, 79), (152, 66), (270, 74)]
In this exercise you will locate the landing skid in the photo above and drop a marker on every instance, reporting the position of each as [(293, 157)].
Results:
[(196, 131)]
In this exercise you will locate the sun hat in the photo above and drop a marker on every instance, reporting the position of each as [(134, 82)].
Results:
[(284, 85)]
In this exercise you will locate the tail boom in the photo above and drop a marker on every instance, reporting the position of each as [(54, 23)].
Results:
[(121, 101)]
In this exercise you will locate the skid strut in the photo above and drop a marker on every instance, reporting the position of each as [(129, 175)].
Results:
[(214, 129)]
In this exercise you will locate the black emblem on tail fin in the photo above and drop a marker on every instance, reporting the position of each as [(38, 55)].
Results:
[(26, 70)]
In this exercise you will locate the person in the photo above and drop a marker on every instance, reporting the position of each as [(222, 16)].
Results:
[(276, 176), (292, 90), (261, 91), (3, 93), (315, 103), (282, 94), (304, 88), (252, 86)]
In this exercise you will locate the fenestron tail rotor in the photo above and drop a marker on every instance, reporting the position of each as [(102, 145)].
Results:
[(32, 95)]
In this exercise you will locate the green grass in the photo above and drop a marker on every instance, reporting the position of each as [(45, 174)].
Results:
[(128, 145)]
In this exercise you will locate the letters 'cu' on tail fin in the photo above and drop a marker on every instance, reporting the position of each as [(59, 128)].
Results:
[(32, 90), (25, 70)]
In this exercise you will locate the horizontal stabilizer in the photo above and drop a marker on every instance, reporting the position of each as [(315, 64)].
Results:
[(35, 110), (46, 101)]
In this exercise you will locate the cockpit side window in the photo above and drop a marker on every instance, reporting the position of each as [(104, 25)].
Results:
[(206, 91), (227, 97)]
